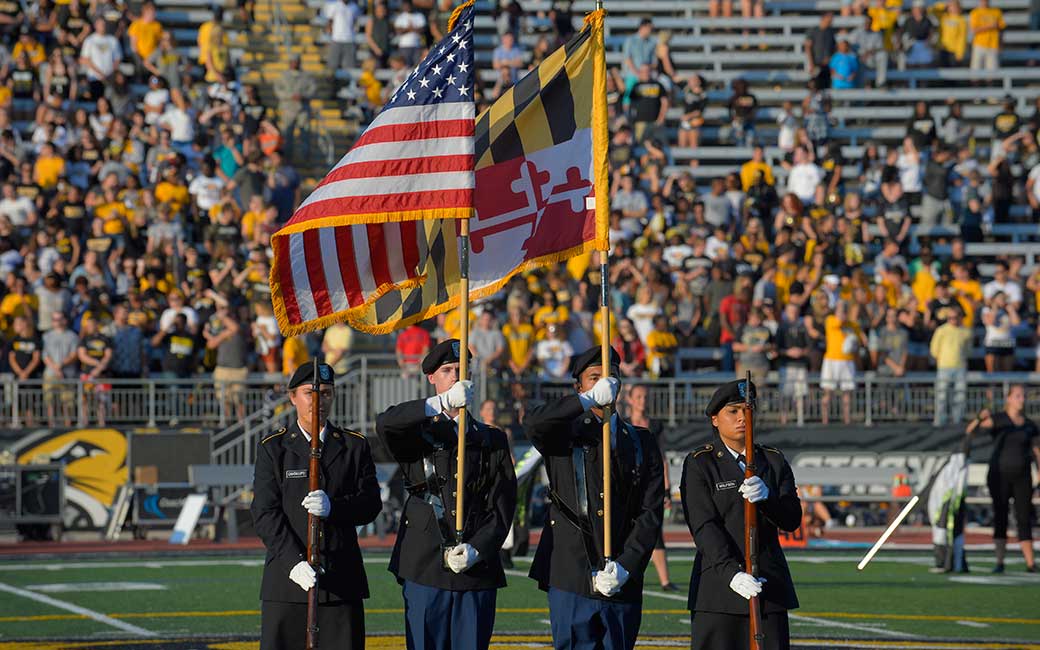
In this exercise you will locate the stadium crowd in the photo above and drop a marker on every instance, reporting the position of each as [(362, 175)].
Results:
[(140, 189)]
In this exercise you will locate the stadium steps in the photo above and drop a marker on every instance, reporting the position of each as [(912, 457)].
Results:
[(266, 60)]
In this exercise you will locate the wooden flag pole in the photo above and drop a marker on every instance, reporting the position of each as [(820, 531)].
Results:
[(604, 312), (460, 480), (314, 524)]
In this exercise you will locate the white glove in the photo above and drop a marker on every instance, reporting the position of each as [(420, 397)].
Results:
[(317, 503), (746, 585), (610, 580), (603, 392), (303, 575), (462, 558), (754, 489), (459, 395)]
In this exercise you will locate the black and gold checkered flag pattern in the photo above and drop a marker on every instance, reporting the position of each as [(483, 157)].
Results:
[(543, 109)]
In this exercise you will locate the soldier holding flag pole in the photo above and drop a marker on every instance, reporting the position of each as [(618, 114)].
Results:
[(449, 567)]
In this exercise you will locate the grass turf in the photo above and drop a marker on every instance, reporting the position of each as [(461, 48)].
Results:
[(894, 599)]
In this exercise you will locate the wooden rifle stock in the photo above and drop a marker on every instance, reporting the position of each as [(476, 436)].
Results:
[(751, 520), (314, 523)]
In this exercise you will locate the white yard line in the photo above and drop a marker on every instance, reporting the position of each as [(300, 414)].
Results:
[(76, 609), (823, 622), (794, 617)]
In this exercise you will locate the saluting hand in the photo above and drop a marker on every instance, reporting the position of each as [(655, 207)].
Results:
[(604, 391), (458, 396)]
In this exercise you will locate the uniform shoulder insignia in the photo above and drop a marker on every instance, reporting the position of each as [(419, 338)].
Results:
[(273, 435), (772, 449), (355, 434), (703, 450)]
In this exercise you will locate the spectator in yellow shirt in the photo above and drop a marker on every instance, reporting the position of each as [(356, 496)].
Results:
[(950, 346), (48, 168), (661, 346), (750, 169), (172, 191), (986, 25), (883, 19), (843, 338), (32, 48), (144, 34), (520, 340), (112, 212), (953, 34)]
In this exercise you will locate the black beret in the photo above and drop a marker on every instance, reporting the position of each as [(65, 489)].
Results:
[(594, 357), (305, 375), (729, 393), (447, 351)]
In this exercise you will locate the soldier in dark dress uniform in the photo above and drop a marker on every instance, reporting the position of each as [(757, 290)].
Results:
[(349, 497), (713, 492), (449, 589), (595, 604)]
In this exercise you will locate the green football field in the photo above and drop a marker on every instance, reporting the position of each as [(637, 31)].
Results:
[(895, 602)]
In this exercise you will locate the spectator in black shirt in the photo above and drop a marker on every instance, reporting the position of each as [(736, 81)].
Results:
[(95, 355), (942, 307), (917, 29), (742, 108), (820, 46), (695, 100), (1006, 123), (935, 200), (179, 348), (649, 105), (793, 344), (921, 126)]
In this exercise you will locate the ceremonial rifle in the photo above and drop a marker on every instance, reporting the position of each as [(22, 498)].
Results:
[(751, 519), (314, 533)]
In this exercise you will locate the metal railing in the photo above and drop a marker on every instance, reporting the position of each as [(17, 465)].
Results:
[(371, 383), (152, 402)]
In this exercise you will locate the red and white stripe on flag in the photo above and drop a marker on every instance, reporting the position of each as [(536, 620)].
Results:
[(412, 161), (336, 269), (355, 237)]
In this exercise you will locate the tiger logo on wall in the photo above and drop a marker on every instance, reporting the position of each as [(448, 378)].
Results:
[(95, 462)]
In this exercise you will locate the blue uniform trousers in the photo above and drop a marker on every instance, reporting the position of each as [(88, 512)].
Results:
[(580, 623), (437, 619)]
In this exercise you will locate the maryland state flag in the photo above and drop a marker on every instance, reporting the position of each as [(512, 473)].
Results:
[(537, 161), (541, 187)]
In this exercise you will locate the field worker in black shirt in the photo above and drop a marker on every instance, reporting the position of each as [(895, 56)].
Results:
[(713, 493), (1016, 444)]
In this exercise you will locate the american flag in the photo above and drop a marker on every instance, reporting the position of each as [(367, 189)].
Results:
[(360, 233)]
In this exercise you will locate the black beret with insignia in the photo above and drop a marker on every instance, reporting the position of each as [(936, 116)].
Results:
[(305, 375), (447, 351), (594, 357), (730, 393)]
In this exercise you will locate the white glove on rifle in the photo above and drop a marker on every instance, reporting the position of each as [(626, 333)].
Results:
[(603, 392), (610, 580), (754, 489), (303, 575), (462, 558), (317, 503), (746, 585), (459, 395)]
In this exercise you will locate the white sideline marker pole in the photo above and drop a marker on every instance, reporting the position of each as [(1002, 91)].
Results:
[(888, 533)]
